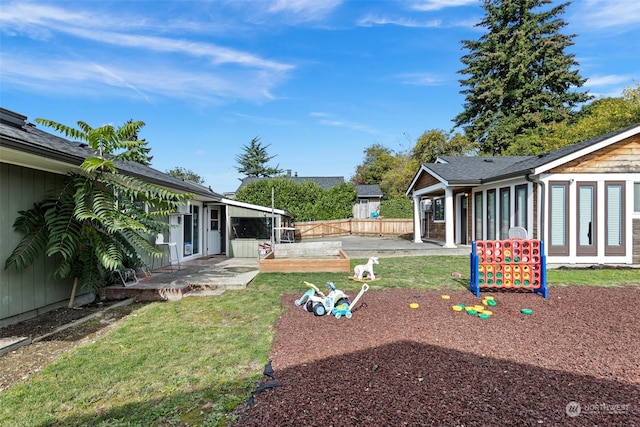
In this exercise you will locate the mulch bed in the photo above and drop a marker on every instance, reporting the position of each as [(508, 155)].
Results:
[(574, 362)]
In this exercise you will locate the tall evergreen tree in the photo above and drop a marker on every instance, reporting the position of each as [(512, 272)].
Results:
[(519, 76), (253, 162)]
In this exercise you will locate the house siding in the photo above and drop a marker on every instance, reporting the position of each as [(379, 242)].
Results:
[(32, 290), (622, 157), (426, 180)]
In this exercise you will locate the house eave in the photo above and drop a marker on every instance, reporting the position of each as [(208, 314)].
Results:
[(14, 151)]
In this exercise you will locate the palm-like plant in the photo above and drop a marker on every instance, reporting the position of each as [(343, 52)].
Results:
[(97, 221)]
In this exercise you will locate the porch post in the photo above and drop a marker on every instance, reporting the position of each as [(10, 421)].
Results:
[(416, 220), (449, 241)]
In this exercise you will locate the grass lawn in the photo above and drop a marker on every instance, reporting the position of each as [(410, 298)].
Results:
[(194, 360)]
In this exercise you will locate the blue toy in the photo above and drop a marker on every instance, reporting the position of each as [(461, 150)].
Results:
[(320, 304), (345, 309), (336, 302)]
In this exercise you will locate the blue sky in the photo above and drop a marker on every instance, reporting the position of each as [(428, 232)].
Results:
[(316, 80)]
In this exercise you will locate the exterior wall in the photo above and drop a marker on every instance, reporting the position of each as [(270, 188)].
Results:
[(34, 290), (365, 207), (245, 247), (435, 230), (425, 180), (535, 213), (617, 162), (532, 206), (622, 157), (632, 236)]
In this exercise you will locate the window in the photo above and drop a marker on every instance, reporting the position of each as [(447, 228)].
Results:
[(438, 209), (251, 228), (191, 231), (491, 214), (558, 218), (214, 220), (521, 207), (505, 212), (478, 215), (636, 197), (586, 223), (614, 218)]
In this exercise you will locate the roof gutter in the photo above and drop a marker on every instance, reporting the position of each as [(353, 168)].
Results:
[(14, 144)]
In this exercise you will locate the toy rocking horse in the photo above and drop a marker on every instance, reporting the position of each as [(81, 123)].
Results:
[(359, 270)]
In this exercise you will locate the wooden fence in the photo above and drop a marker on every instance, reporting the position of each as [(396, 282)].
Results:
[(363, 227)]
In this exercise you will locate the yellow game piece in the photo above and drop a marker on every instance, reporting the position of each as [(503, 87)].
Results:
[(489, 312), (414, 305), (456, 308), (445, 297)]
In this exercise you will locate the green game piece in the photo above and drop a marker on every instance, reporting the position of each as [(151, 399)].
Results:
[(526, 311), (472, 312), (483, 316), (491, 302)]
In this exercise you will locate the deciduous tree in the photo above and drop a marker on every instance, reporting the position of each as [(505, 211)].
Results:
[(185, 175), (97, 221)]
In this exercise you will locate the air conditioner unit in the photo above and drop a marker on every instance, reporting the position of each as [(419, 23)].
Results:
[(425, 207), (183, 209)]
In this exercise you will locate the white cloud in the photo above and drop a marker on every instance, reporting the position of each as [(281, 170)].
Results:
[(608, 80), (49, 20), (609, 86), (606, 13), (327, 120), (105, 55), (304, 9), (216, 54), (430, 5), (420, 79), (135, 80), (371, 20)]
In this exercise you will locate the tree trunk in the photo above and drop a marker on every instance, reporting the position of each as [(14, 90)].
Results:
[(73, 291)]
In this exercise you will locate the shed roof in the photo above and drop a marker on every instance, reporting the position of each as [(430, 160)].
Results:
[(369, 190)]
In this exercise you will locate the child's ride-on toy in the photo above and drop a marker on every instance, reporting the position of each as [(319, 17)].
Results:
[(320, 304), (345, 309)]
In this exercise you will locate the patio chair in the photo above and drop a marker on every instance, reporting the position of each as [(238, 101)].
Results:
[(517, 233)]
